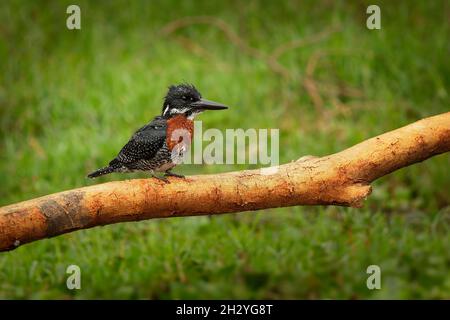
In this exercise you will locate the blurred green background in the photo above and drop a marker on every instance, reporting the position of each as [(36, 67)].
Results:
[(69, 100)]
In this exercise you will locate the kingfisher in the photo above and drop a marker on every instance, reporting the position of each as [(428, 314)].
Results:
[(160, 145)]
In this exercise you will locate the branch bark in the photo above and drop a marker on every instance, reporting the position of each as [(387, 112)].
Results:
[(339, 179)]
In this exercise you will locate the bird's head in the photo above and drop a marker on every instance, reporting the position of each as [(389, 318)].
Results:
[(184, 99)]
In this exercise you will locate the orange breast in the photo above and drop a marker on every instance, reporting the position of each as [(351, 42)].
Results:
[(179, 129)]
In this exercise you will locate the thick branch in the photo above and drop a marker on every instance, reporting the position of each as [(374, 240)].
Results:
[(339, 179)]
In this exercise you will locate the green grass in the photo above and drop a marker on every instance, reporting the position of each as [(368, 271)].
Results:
[(70, 99)]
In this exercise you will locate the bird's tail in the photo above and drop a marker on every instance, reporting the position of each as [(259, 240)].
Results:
[(102, 171)]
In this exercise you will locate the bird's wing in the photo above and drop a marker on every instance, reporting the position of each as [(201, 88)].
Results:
[(144, 143)]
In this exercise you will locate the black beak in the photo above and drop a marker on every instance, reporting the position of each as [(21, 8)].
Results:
[(204, 104)]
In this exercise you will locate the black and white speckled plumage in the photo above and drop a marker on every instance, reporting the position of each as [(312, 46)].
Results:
[(146, 150), (144, 144)]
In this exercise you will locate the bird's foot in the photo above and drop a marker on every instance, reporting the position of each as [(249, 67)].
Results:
[(171, 174), (163, 179)]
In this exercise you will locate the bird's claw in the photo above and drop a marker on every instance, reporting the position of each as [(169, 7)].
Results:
[(163, 179), (171, 174)]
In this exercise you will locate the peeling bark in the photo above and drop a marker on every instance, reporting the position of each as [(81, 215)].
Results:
[(340, 179)]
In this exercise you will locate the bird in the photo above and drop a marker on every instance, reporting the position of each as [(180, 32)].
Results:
[(159, 145)]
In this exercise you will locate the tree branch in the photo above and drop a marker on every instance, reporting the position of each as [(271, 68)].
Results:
[(340, 179)]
